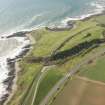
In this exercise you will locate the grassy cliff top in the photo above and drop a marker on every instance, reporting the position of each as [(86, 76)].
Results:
[(63, 49)]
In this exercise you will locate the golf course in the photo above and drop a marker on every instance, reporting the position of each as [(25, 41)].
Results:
[(64, 67)]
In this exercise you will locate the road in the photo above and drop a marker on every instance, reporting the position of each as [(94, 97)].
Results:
[(71, 72)]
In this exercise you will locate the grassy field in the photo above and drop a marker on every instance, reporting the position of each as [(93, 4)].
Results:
[(95, 71), (69, 47), (81, 92)]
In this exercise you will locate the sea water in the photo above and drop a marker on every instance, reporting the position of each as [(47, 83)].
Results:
[(16, 15)]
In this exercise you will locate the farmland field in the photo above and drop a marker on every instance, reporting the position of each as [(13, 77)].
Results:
[(81, 92)]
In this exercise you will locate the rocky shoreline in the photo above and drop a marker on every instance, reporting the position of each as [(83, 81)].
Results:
[(9, 81), (11, 66), (70, 24)]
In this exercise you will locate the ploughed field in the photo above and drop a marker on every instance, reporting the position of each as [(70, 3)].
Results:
[(81, 91), (53, 55)]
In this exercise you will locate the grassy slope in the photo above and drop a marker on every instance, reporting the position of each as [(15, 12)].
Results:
[(47, 42)]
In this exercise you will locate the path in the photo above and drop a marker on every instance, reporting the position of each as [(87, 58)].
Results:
[(90, 80)]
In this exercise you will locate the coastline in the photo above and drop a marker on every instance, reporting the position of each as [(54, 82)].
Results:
[(69, 23), (14, 86), (17, 68), (83, 17), (13, 68)]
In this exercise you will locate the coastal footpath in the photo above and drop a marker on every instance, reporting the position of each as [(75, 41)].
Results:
[(53, 54)]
